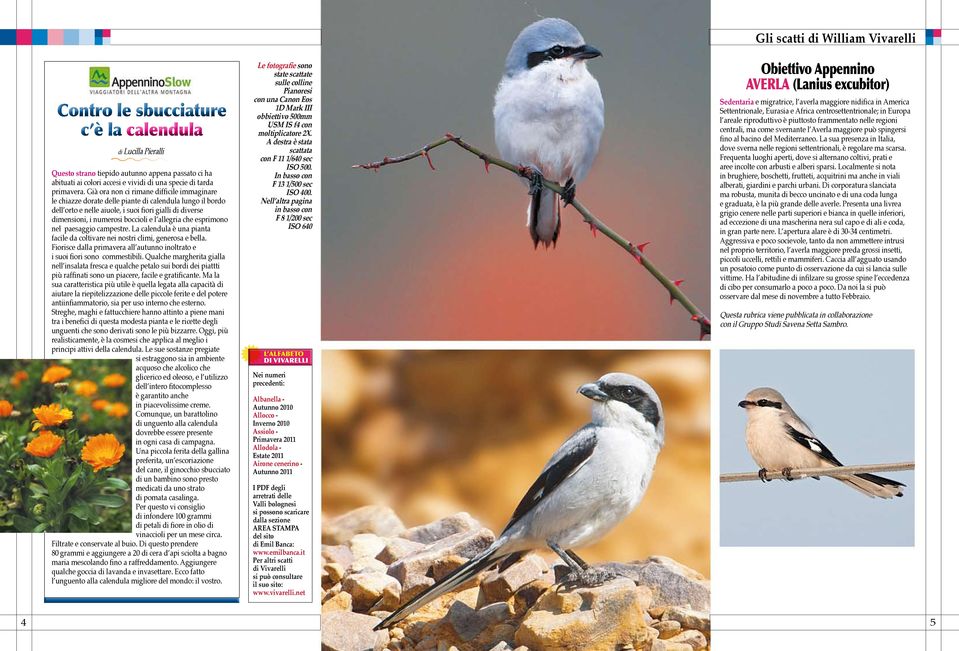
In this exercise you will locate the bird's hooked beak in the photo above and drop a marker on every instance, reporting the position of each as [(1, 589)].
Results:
[(592, 391), (587, 52), (746, 403)]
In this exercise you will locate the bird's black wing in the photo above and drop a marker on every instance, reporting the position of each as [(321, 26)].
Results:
[(812, 443), (568, 459)]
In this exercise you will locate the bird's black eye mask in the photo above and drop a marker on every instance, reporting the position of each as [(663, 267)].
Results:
[(635, 398), (533, 59), (769, 403)]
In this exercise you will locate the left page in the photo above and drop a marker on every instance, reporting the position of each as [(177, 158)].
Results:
[(158, 339)]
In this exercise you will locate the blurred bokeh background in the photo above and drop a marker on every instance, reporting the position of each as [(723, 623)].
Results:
[(414, 254), (431, 433)]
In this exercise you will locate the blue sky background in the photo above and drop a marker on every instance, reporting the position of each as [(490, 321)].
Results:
[(861, 405)]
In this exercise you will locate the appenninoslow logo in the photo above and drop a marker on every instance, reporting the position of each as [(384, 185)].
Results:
[(99, 76)]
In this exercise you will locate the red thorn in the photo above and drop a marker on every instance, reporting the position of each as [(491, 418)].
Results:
[(677, 283), (702, 333), (486, 162), (450, 135), (642, 247), (593, 229), (430, 162), (694, 317)]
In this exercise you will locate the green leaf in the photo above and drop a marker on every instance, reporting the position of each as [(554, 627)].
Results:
[(23, 524), (78, 526), (119, 484), (71, 482), (82, 510), (40, 528), (114, 501)]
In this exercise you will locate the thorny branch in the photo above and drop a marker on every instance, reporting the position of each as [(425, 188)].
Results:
[(595, 224)]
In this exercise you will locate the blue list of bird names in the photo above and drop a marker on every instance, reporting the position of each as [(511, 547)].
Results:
[(281, 478)]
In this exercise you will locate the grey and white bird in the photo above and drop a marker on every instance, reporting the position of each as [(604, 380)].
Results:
[(548, 115), (778, 439), (593, 481)]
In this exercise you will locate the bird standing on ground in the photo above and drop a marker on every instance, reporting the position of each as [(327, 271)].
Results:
[(548, 115), (778, 439), (595, 479)]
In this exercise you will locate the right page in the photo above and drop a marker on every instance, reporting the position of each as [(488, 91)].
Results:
[(827, 285)]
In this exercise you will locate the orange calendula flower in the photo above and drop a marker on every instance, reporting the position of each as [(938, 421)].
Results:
[(102, 451), (18, 378), (114, 380), (45, 444), (55, 374), (118, 410), (50, 416), (86, 388), (100, 404), (6, 408)]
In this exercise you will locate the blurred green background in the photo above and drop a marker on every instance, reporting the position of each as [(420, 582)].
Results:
[(431, 433), (414, 254)]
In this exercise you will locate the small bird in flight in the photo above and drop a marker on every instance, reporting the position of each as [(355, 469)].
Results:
[(778, 439), (595, 479), (548, 116)]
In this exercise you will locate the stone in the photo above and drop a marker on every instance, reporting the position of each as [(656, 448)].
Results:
[(686, 618), (448, 564), (335, 572), (583, 619), (469, 623), (433, 531), (527, 595), (366, 564), (672, 583), (500, 586), (412, 569), (340, 601), (366, 545), (694, 639), (413, 585), (667, 629), (391, 596), (337, 554), (347, 631), (669, 645), (397, 548), (376, 519), (367, 588), (495, 636)]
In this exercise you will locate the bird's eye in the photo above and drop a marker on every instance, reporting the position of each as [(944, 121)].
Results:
[(557, 50), (629, 392), (762, 403)]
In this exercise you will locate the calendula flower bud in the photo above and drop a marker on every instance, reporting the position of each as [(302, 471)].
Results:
[(38, 510), (61, 387)]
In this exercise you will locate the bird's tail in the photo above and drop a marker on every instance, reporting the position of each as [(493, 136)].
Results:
[(874, 485), (465, 572), (542, 217)]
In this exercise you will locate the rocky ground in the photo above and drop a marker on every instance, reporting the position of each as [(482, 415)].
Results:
[(372, 563)]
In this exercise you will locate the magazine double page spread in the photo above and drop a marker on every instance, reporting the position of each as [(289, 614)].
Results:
[(518, 325)]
